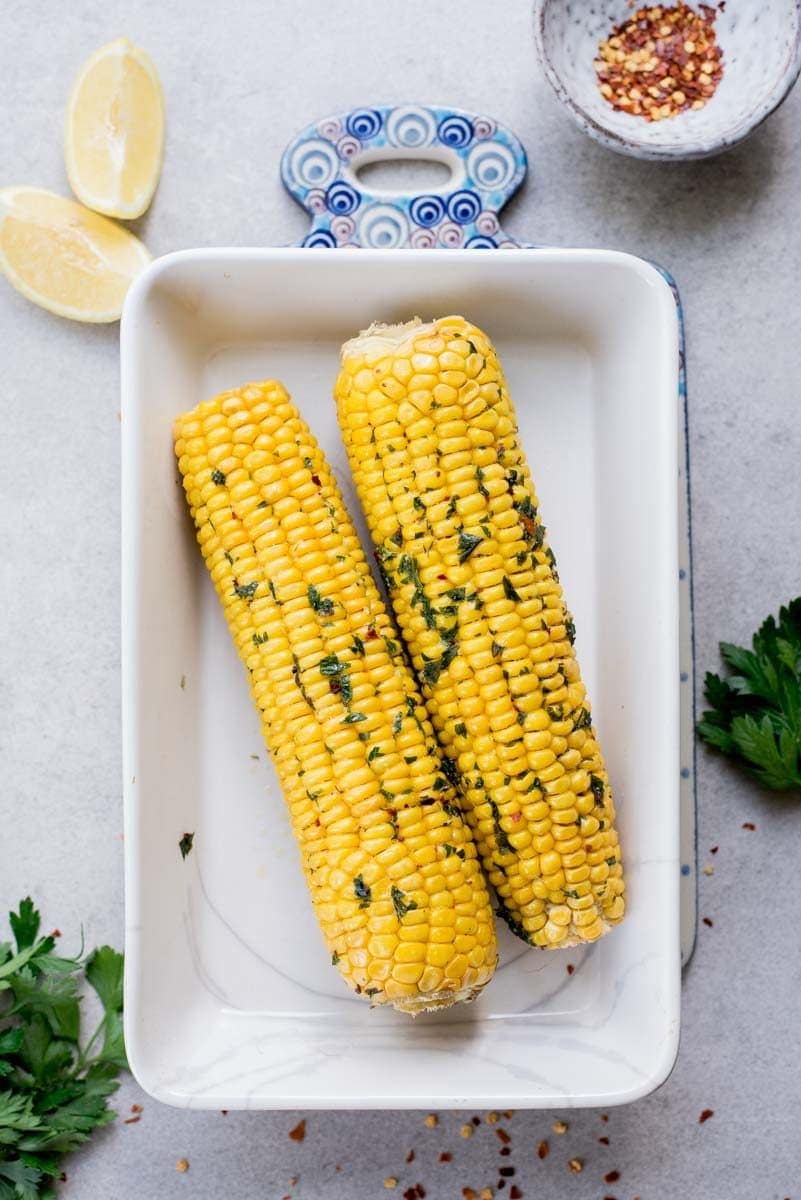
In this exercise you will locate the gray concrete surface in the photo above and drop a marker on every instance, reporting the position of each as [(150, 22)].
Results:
[(240, 79)]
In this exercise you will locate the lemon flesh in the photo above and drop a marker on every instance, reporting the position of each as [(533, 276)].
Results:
[(114, 131), (64, 257)]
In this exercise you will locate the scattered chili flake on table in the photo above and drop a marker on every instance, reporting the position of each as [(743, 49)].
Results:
[(431, 1121), (410, 1156), (559, 1127), (182, 1166), (136, 1108), (492, 1118), (604, 1141), (505, 1151), (709, 869), (131, 1120), (299, 1132), (446, 1156), (390, 1182), (503, 1136), (506, 1172), (476, 1120), (604, 1117), (576, 1165), (468, 1194), (707, 921), (515, 1193), (661, 61), (749, 825), (611, 1176), (570, 968), (485, 1194), (713, 849), (466, 1131), (542, 1149), (705, 1115)]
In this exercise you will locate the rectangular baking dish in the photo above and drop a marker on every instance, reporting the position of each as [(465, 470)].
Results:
[(230, 998)]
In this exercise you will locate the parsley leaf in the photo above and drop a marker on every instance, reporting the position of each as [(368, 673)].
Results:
[(467, 544), (24, 924), (755, 714), (400, 903), (53, 1085)]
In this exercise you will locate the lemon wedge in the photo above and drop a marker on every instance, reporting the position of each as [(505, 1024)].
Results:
[(64, 257), (114, 132)]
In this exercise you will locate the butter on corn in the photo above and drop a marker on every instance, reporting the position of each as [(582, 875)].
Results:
[(434, 449), (391, 866)]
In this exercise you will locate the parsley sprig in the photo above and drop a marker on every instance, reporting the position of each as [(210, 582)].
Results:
[(54, 1087), (756, 711)]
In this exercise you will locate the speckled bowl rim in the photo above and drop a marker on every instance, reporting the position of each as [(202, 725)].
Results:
[(685, 149)]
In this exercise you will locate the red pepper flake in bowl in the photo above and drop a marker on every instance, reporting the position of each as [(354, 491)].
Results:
[(661, 61)]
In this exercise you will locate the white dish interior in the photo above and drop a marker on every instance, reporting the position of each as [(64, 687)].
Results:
[(230, 998)]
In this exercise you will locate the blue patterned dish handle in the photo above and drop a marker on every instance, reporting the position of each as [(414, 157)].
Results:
[(488, 163)]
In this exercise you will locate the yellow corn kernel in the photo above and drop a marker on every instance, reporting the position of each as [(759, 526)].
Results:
[(340, 711), (480, 606)]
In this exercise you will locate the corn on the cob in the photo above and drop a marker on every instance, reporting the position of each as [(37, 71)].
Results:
[(434, 449), (392, 867)]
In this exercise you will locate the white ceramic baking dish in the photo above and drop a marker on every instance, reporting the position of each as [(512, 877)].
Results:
[(230, 998)]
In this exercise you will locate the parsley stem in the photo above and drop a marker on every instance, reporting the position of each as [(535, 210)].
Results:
[(83, 1061)]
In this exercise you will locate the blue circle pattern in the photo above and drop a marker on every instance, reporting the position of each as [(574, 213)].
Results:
[(455, 131), (320, 238), (464, 207), (426, 211), (363, 123), (492, 161), (341, 198)]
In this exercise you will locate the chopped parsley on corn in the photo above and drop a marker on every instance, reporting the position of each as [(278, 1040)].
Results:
[(435, 453), (390, 863)]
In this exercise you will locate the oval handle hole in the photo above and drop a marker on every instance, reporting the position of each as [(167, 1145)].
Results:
[(400, 176)]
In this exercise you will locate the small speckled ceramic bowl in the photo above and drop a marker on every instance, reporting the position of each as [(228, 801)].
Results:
[(761, 43)]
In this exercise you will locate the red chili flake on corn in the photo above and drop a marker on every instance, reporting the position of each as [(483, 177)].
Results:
[(661, 61)]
